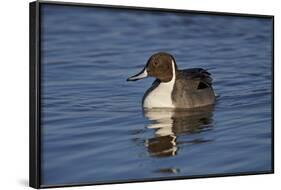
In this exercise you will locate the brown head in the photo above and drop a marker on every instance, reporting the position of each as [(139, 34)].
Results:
[(160, 66)]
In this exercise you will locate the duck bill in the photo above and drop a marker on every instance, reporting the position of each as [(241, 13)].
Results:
[(141, 75)]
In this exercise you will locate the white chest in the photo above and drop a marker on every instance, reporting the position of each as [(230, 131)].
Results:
[(160, 97)]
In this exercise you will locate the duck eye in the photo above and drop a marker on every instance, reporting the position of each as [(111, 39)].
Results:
[(155, 63)]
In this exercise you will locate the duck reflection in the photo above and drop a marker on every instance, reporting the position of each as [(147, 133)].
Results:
[(169, 124)]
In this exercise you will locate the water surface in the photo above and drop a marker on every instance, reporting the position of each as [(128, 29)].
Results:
[(93, 127)]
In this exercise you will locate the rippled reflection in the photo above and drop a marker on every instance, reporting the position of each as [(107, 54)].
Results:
[(169, 124)]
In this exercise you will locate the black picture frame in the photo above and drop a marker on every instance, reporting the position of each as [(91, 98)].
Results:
[(35, 92)]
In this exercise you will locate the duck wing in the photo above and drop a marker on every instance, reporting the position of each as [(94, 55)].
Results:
[(193, 88), (195, 78)]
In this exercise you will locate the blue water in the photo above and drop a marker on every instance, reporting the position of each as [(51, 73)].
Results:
[(93, 127)]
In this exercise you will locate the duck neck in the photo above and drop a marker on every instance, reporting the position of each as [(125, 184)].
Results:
[(173, 78)]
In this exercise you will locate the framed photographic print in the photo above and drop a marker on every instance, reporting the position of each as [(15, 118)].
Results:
[(130, 94)]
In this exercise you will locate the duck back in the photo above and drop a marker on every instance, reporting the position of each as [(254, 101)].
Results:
[(193, 88)]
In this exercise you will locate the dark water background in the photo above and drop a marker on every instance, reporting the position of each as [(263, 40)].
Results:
[(93, 126)]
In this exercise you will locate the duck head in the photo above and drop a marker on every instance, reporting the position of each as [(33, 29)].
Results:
[(160, 65)]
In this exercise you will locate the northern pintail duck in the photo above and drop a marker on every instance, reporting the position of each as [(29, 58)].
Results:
[(174, 88)]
